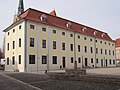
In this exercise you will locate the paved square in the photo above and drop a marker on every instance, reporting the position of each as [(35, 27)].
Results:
[(42, 81)]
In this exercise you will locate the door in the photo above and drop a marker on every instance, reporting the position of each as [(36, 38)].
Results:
[(101, 62), (86, 62), (63, 61)]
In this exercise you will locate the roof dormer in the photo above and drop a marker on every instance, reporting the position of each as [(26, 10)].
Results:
[(43, 18), (95, 32), (84, 29), (69, 25), (103, 35)]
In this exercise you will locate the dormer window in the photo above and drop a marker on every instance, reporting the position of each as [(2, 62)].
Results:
[(95, 32), (43, 18), (84, 29), (69, 24), (103, 35)]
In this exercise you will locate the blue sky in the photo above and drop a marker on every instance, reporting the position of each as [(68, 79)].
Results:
[(100, 14)]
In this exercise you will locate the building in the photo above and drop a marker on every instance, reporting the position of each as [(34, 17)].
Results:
[(118, 51), (41, 41)]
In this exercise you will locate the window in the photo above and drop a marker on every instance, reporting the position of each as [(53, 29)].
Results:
[(43, 43), (78, 37), (31, 42), (101, 42), (31, 59), (85, 38), (13, 44), (20, 27), (91, 60), (54, 44), (19, 42), (79, 60), (71, 35), (63, 46), (72, 60), (91, 49), (96, 41), (71, 47), (44, 59), (112, 44), (110, 62), (54, 31), (96, 60), (91, 40), (13, 60), (101, 51), (43, 17), (105, 42), (105, 52), (19, 59), (63, 33), (113, 61), (109, 43), (96, 50), (43, 29), (8, 33), (7, 60), (32, 27), (109, 52), (13, 30), (78, 48), (54, 59), (113, 53), (8, 46), (85, 49)]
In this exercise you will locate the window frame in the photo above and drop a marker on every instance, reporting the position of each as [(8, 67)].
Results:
[(19, 42), (72, 60), (19, 59), (43, 43), (54, 59), (32, 26), (54, 44), (44, 59), (32, 41), (31, 59), (44, 29), (63, 46)]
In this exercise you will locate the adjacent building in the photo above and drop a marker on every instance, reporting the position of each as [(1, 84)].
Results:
[(118, 51), (41, 41)]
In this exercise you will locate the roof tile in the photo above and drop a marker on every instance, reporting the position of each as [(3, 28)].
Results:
[(35, 15)]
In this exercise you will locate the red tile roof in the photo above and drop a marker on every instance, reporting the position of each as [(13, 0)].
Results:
[(117, 42), (32, 14), (118, 59)]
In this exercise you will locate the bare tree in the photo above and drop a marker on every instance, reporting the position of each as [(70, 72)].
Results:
[(1, 54)]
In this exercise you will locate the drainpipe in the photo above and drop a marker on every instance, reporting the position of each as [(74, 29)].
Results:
[(104, 61), (48, 49), (95, 50), (82, 61), (75, 63), (25, 47)]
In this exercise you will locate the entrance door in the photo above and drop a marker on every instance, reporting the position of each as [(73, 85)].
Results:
[(101, 62), (86, 62), (63, 61)]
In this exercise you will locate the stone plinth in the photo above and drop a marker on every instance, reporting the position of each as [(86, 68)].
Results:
[(75, 71)]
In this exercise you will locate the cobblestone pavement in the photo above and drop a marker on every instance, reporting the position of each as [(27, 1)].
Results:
[(8, 83), (42, 81)]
